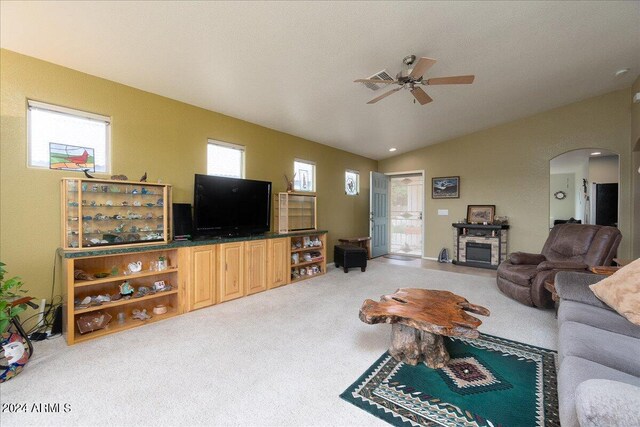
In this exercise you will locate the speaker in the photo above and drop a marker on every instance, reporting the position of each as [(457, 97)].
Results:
[(56, 328), (182, 221)]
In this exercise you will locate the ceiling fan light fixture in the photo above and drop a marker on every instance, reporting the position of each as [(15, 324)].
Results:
[(409, 59), (412, 75)]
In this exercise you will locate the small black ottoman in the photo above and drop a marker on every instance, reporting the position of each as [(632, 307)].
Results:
[(349, 256)]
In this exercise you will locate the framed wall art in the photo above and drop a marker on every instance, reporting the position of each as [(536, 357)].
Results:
[(447, 187), (479, 214)]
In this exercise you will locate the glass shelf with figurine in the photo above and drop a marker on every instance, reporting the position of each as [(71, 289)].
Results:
[(136, 210)]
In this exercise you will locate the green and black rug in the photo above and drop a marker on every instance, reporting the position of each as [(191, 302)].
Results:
[(489, 381)]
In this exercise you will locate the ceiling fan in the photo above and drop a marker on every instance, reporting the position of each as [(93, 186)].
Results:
[(412, 76)]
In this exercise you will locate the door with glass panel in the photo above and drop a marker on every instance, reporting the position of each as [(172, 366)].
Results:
[(378, 214), (406, 193)]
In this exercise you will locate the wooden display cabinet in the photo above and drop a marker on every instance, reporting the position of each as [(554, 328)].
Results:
[(230, 270), (203, 264), (115, 271), (308, 256), (255, 268), (295, 212), (277, 262), (100, 213)]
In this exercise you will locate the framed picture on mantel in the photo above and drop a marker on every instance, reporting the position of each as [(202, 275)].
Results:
[(480, 214), (447, 187)]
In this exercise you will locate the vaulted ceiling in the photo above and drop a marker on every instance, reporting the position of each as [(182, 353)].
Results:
[(290, 66)]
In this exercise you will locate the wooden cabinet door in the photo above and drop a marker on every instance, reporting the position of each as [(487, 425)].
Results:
[(278, 262), (230, 267), (255, 262), (202, 289)]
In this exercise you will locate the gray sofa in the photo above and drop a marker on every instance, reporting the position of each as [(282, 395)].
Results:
[(599, 358)]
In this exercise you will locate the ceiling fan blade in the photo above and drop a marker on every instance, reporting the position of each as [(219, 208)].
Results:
[(452, 80), (384, 95), (375, 81), (421, 67), (421, 96)]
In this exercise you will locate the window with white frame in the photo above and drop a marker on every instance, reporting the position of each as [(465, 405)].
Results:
[(351, 182), (304, 175), (64, 138), (225, 159)]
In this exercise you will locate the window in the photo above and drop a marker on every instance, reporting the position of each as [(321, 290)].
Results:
[(70, 130), (224, 159), (304, 175), (351, 182)]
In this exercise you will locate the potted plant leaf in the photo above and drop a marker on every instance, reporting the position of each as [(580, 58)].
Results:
[(9, 291)]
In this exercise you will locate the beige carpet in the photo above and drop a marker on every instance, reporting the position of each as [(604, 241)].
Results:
[(277, 358)]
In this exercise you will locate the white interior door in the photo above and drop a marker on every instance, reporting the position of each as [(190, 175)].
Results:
[(378, 214), (406, 202)]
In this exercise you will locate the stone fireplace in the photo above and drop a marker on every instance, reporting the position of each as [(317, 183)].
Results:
[(479, 245)]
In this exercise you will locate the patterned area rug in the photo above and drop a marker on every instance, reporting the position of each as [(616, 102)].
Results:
[(489, 381)]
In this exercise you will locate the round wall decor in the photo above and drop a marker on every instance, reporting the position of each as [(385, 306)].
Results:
[(560, 195)]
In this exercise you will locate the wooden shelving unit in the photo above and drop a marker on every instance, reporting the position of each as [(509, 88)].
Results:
[(102, 213), (115, 265), (295, 212), (312, 244)]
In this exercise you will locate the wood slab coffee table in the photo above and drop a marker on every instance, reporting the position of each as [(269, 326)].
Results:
[(419, 318)]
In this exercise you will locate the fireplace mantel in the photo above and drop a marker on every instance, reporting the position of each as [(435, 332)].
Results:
[(479, 245)]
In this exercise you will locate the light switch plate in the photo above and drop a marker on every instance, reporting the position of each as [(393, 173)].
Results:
[(443, 212)]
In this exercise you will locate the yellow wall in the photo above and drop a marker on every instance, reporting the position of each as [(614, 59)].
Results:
[(163, 137), (508, 166), (635, 168)]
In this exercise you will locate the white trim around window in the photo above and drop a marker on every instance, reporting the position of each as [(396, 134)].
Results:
[(304, 177), (48, 123), (225, 159)]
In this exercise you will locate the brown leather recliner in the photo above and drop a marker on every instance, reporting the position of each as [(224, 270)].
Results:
[(569, 247)]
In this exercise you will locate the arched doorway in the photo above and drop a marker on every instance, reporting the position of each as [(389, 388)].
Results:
[(583, 187)]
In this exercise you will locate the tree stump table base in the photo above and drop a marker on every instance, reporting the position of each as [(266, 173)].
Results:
[(411, 346), (420, 318)]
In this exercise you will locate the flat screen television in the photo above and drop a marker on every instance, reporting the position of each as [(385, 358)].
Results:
[(230, 206)]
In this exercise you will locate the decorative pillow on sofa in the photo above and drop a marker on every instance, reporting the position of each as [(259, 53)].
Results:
[(621, 291)]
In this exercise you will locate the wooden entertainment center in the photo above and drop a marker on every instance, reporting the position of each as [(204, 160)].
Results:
[(115, 285), (200, 274)]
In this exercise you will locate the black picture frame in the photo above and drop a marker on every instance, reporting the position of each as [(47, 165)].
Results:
[(445, 187)]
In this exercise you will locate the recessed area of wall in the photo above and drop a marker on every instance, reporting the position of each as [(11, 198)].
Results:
[(584, 186)]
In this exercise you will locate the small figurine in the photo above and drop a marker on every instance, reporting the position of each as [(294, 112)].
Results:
[(126, 290), (135, 267), (140, 315), (142, 291), (144, 191), (289, 182), (143, 178)]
